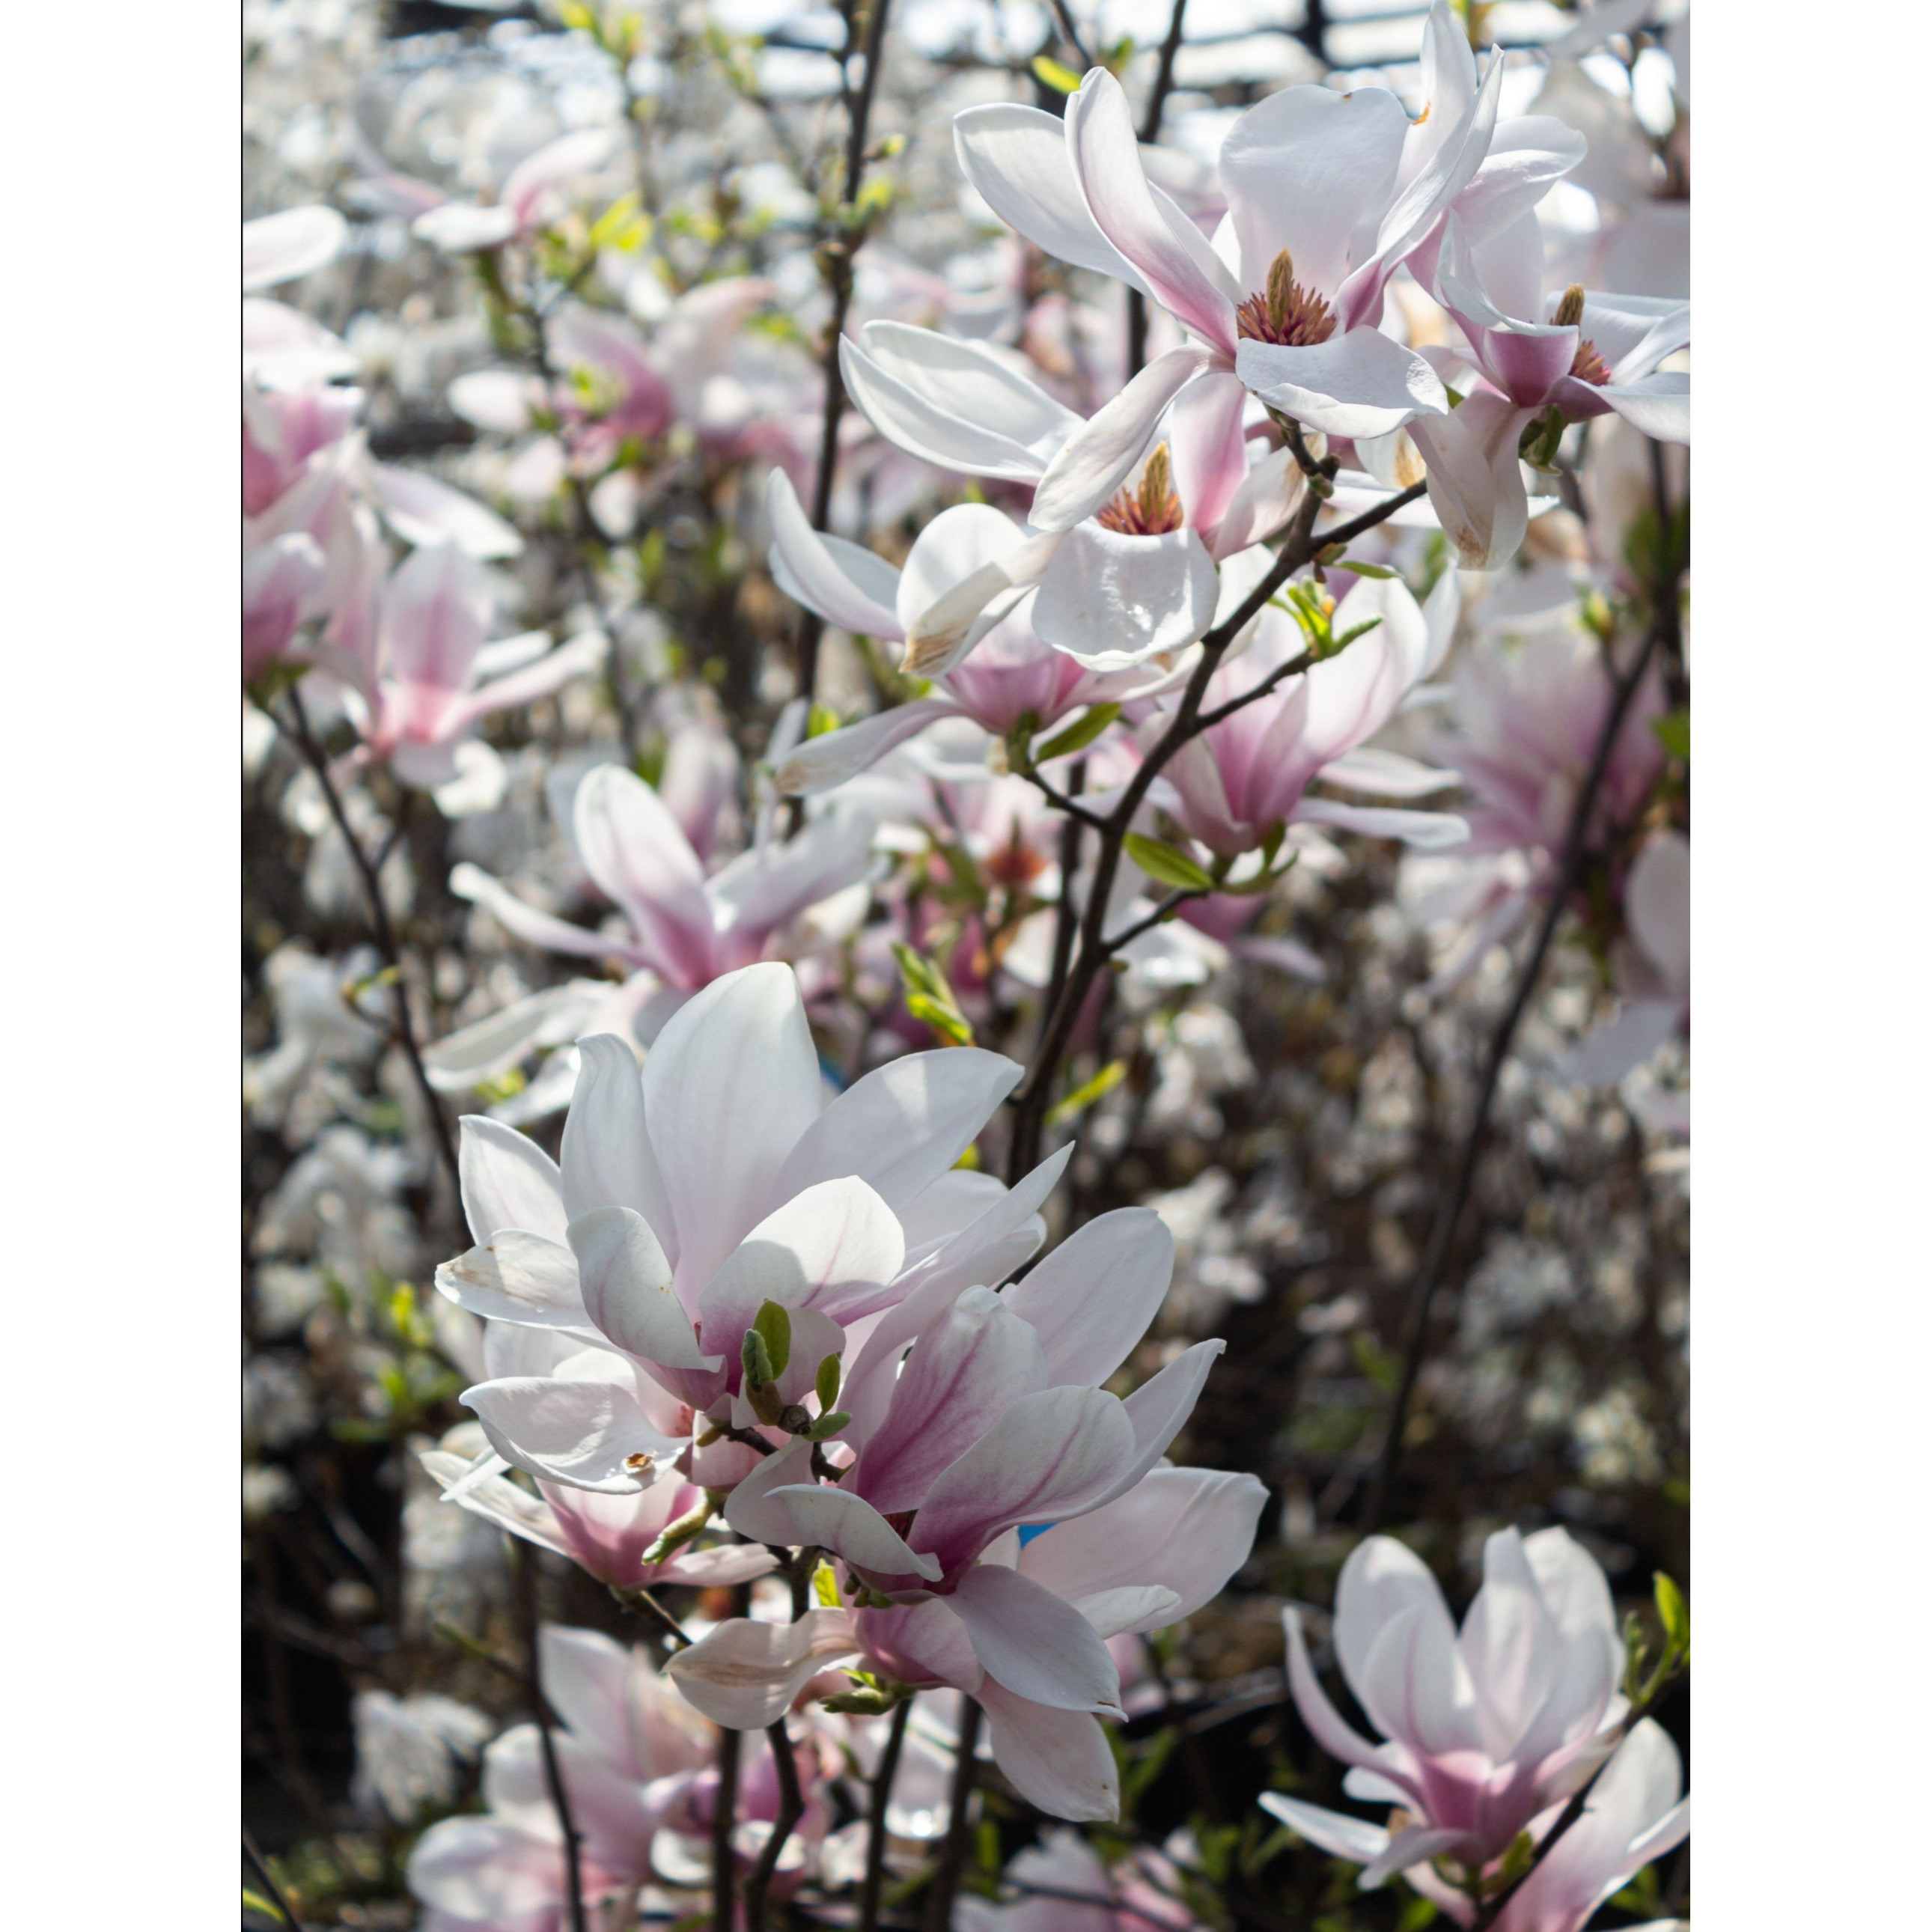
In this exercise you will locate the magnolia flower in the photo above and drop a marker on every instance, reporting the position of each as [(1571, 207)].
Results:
[(1328, 193), (1119, 581), (534, 193), (1484, 1732), (629, 1750), (1633, 1815), (607, 1535), (281, 347), (687, 1199), (1598, 353), (279, 247), (1063, 1885), (1011, 674), (1653, 965), (411, 651), (1240, 780), (684, 929), (614, 392), (996, 1420)]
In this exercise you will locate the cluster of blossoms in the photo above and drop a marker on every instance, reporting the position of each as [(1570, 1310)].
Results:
[(909, 700)]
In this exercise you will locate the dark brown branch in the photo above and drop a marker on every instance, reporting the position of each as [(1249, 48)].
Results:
[(379, 925), (1448, 1219), (791, 1809), (724, 1816), (952, 1849), (277, 1896), (875, 1832)]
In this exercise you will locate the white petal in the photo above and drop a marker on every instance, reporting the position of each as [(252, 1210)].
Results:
[(1110, 601), (745, 1674), (627, 1289), (1359, 383)]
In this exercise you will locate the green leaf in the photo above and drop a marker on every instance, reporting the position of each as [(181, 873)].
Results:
[(758, 1361), (1673, 733), (773, 1324), (1417, 1913), (253, 1901), (1673, 1613), (1078, 736), (828, 1426), (1378, 570), (1168, 863), (1109, 1077), (1050, 73), (1354, 631), (829, 1372), (945, 1020), (825, 1587), (821, 721)]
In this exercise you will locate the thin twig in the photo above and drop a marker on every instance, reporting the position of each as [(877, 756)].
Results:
[(952, 1848), (791, 1809), (1149, 132), (640, 1602), (723, 1815), (279, 1898), (1064, 15), (524, 1562), (1169, 905), (384, 936), (836, 254), (1449, 1218), (875, 1830)]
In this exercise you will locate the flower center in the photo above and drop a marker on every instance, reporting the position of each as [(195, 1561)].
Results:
[(1152, 510), (1586, 365), (1285, 312)]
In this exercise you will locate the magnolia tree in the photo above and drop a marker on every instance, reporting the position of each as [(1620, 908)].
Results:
[(966, 781)]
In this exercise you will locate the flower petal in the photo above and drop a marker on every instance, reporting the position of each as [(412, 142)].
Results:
[(1091, 1299), (1359, 383), (1475, 477), (1110, 600), (1035, 1643), (577, 1433), (1355, 1839), (516, 1276), (833, 757), (857, 597), (745, 1674), (833, 1247), (607, 1160), (850, 1527), (1058, 1760), (627, 1289), (508, 1181)]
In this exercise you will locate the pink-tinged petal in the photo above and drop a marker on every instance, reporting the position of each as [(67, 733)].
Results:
[(1110, 601), (1355, 1839), (1094, 461), (849, 1527), (1269, 496), (903, 1125), (421, 510), (951, 403), (284, 583), (1303, 170), (1091, 1299), (1659, 404), (1210, 454), (1035, 1643), (1057, 1760), (1283, 955), (962, 1374), (1157, 1411), (857, 597), (954, 544), (540, 928), (1180, 271), (515, 1276), (744, 1674), (1326, 1725), (1361, 383), (1420, 831), (584, 652), (1421, 205), (1617, 1046), (434, 614), (606, 1156), (831, 1247), (829, 759), (1016, 157), (734, 1080), (1382, 1579), (1633, 333), (514, 1510), (464, 228), (1186, 1531), (764, 888), (750, 1509), (582, 1433), (283, 349), (481, 1873), (638, 853), (1415, 1687), (945, 632), (983, 1253), (1415, 1846), (502, 400), (562, 160), (1052, 1456), (1475, 478), (1386, 774), (1511, 1648), (922, 1643), (1527, 155), (297, 242), (708, 1569), (1656, 903), (628, 1291)]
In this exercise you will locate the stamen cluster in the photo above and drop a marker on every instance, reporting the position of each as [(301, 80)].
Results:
[(1285, 313), (1152, 510)]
